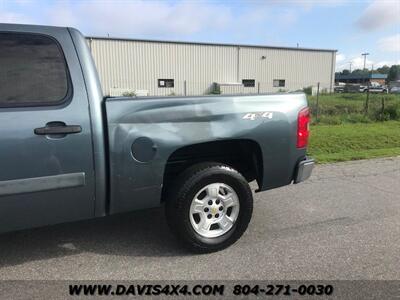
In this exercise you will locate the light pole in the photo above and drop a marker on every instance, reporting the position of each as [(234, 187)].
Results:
[(350, 65), (365, 58)]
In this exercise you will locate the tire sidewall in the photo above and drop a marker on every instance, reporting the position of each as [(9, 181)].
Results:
[(241, 188)]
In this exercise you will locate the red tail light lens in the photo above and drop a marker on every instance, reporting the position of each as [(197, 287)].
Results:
[(303, 128)]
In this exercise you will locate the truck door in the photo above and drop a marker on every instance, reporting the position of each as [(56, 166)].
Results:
[(46, 158)]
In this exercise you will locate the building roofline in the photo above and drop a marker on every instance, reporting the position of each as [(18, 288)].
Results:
[(210, 44), (181, 42), (361, 76)]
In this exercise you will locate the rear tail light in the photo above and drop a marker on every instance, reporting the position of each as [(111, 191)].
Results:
[(303, 128)]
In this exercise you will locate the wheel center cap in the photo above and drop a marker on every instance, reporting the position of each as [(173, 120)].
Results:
[(214, 210)]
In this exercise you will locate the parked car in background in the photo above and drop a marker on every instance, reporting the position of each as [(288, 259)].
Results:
[(338, 89), (352, 88), (395, 90), (374, 89)]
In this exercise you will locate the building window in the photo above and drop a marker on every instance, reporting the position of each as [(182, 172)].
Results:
[(279, 83), (33, 71), (165, 83), (248, 82)]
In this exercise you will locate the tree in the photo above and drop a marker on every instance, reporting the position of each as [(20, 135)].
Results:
[(383, 70), (345, 72), (360, 72), (394, 73)]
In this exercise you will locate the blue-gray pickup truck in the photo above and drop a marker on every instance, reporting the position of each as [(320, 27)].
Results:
[(68, 153)]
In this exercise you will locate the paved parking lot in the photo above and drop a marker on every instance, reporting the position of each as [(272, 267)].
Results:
[(344, 223)]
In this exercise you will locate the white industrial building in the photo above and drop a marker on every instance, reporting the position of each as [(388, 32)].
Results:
[(148, 67)]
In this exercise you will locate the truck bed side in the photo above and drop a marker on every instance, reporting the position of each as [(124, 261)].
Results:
[(144, 133)]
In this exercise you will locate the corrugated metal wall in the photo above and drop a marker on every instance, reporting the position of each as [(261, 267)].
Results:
[(129, 66), (298, 68)]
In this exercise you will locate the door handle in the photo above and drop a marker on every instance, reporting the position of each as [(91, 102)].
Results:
[(57, 128)]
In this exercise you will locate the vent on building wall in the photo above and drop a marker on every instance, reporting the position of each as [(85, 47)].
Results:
[(279, 83), (249, 82), (165, 83)]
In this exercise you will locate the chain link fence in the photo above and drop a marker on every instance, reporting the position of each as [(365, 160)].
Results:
[(354, 105)]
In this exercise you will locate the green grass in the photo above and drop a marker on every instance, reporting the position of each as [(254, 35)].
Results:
[(335, 109), (354, 141)]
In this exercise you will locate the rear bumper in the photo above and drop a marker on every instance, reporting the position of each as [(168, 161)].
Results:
[(304, 170)]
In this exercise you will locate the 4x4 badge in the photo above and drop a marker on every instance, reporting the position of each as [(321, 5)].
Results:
[(253, 116)]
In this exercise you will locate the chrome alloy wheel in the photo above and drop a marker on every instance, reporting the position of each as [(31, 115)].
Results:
[(214, 210)]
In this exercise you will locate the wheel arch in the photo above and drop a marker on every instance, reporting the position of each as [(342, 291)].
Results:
[(244, 155)]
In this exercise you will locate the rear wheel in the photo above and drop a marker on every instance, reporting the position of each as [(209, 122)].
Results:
[(210, 207)]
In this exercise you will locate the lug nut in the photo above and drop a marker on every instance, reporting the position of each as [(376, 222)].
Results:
[(209, 216), (210, 202), (217, 202), (206, 209), (216, 215), (220, 208)]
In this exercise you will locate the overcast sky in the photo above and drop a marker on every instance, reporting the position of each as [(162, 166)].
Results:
[(351, 27)]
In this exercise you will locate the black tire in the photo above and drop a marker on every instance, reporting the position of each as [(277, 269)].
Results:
[(181, 194)]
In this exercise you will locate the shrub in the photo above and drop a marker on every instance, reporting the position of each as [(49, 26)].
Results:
[(327, 120), (307, 90), (216, 89), (357, 118), (393, 111), (129, 94)]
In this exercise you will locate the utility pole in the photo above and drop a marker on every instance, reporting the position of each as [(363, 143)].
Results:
[(365, 58), (350, 65)]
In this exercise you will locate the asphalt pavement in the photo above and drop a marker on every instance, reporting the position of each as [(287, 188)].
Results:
[(343, 223)]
